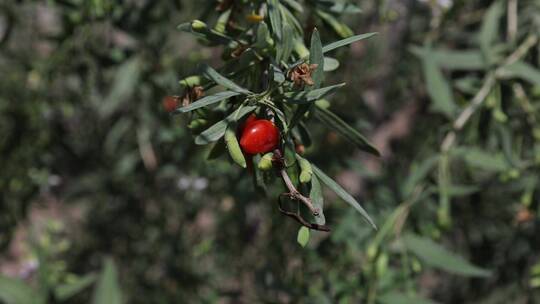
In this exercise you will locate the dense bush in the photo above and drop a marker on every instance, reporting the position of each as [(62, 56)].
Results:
[(94, 170)]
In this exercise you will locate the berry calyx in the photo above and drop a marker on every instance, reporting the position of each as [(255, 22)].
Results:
[(259, 136)]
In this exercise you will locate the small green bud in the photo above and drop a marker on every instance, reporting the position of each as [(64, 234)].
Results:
[(198, 123), (198, 25)]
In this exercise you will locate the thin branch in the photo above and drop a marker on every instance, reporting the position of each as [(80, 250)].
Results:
[(481, 95), (296, 216)]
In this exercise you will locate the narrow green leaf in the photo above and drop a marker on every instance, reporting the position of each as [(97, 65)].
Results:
[(279, 76), (302, 97), (402, 298), (453, 59), (205, 101), (263, 39), (437, 256), (108, 289), (342, 194), (303, 236), (335, 123), (15, 291), (490, 29), (217, 130), (418, 172), (330, 64), (342, 8), (213, 75), (478, 158), (66, 291), (294, 5), (346, 41), (317, 199), (316, 57), (275, 17), (438, 88), (523, 70), (339, 27), (123, 86), (284, 49)]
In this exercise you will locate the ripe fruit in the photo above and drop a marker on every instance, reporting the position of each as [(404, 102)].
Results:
[(259, 136)]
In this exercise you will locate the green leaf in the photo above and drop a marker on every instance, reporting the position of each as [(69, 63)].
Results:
[(279, 76), (275, 17), (217, 130), (342, 8), (342, 194), (108, 289), (452, 59), (263, 36), (66, 291), (478, 158), (346, 41), (317, 199), (316, 57), (15, 291), (303, 236), (205, 101), (335, 123), (302, 97), (437, 256), (418, 172), (213, 75), (490, 29), (523, 70), (394, 297), (438, 88), (284, 49), (125, 81), (294, 5), (330, 64), (339, 27)]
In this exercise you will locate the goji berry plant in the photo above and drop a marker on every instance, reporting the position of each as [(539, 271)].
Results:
[(274, 78)]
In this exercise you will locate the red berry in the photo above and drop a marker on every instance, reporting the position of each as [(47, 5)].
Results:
[(251, 118), (259, 136), (170, 103)]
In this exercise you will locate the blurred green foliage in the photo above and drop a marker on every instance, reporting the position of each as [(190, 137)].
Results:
[(456, 198)]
